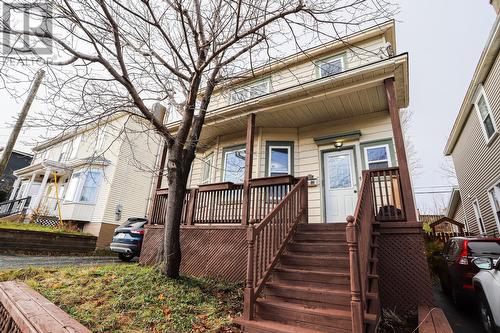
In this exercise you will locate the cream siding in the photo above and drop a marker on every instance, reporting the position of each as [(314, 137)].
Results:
[(459, 214), (357, 55), (307, 154), (477, 165)]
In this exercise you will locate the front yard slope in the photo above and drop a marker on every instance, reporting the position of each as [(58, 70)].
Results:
[(131, 298)]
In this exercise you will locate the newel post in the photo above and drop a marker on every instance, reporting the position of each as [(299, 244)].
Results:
[(191, 206), (304, 202), (356, 303), (248, 306)]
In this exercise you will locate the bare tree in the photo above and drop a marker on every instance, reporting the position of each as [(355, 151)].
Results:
[(113, 56)]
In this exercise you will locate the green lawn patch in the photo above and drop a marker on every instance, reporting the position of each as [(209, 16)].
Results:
[(36, 227), (131, 298)]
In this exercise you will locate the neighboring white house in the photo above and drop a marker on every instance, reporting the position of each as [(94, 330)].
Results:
[(95, 177)]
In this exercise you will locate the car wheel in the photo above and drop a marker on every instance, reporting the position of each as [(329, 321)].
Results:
[(486, 315), (125, 256)]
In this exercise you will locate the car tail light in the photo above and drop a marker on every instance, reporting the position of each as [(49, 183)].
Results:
[(468, 286), (463, 259), (137, 232)]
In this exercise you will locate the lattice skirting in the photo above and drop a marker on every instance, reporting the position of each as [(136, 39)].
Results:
[(405, 280), (7, 324), (48, 221), (215, 252)]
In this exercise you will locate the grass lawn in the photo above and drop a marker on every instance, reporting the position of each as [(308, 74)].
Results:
[(36, 227), (131, 298)]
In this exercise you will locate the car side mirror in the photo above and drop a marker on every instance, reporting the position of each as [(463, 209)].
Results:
[(483, 263), (437, 253)]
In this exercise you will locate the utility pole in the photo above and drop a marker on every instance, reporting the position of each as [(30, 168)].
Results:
[(20, 121)]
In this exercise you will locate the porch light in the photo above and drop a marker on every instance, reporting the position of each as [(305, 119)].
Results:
[(338, 144)]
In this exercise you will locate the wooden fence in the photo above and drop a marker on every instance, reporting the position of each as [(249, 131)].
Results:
[(444, 236)]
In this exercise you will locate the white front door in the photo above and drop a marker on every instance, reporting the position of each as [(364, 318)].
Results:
[(340, 185)]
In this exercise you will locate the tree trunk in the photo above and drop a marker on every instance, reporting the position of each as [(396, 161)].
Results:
[(177, 175)]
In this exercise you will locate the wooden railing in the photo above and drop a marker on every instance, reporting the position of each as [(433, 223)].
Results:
[(387, 193), (14, 206), (268, 239), (222, 203)]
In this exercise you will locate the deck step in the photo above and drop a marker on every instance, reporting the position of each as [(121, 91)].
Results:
[(322, 227), (319, 247), (336, 298), (328, 262), (323, 319), (313, 278), (319, 236), (267, 326)]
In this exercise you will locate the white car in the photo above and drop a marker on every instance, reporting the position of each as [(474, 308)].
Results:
[(487, 288)]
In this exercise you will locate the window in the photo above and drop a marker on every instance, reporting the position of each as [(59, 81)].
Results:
[(377, 157), (331, 66), (207, 169), (494, 194), (101, 138), (75, 144), (84, 186), (279, 158), (90, 186), (65, 151), (479, 218), (234, 165), (484, 112), (250, 91)]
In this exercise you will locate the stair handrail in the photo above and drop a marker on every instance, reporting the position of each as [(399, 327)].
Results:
[(23, 204), (267, 240), (359, 231)]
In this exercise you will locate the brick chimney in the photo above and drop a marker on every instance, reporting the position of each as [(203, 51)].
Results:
[(496, 5)]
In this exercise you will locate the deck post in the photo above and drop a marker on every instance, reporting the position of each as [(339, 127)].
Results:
[(249, 299), (248, 168), (191, 207), (404, 171), (357, 311), (161, 169), (304, 202), (159, 179)]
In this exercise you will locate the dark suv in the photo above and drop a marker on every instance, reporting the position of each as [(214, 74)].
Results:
[(455, 266), (127, 240)]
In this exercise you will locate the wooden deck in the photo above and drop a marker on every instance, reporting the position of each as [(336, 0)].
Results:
[(23, 310), (432, 320)]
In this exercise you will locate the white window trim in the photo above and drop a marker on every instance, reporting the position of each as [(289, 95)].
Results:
[(289, 158), (78, 191), (65, 151), (225, 161), (367, 162), (481, 93), (340, 57), (248, 87), (492, 203), (207, 163), (479, 216)]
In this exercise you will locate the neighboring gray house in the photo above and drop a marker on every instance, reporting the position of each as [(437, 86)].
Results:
[(474, 142), (17, 160)]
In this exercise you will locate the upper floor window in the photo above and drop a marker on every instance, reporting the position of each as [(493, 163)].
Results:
[(485, 116), (377, 157), (65, 151), (331, 66), (250, 91), (207, 169)]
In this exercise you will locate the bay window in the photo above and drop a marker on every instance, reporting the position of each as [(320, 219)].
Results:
[(84, 186)]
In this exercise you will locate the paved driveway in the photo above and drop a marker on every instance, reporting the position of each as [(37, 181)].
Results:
[(461, 320), (8, 261)]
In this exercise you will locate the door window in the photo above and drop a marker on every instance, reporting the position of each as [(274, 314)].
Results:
[(339, 171)]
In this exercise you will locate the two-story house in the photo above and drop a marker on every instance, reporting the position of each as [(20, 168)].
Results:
[(286, 158), (94, 178), (474, 144)]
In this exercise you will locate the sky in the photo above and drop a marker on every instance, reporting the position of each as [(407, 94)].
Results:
[(444, 39)]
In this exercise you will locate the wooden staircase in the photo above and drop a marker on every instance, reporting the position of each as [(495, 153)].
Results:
[(309, 290)]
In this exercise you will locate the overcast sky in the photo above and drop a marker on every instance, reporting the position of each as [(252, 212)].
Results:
[(444, 39)]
